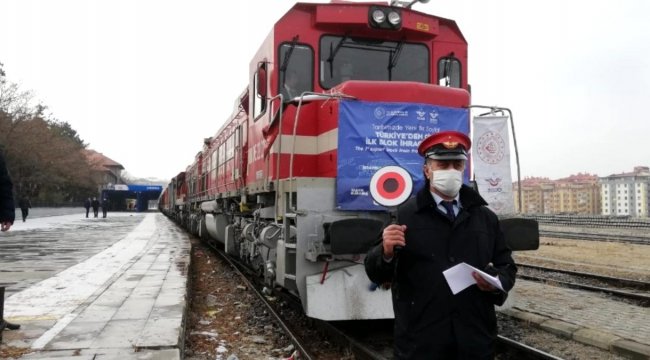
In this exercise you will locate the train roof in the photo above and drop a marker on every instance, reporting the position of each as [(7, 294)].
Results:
[(451, 24)]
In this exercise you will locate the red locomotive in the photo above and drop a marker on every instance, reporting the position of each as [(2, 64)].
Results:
[(336, 92)]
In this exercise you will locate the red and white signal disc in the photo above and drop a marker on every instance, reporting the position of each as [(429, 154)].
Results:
[(391, 186)]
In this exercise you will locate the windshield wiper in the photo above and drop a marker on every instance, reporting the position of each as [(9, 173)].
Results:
[(287, 55), (392, 59), (333, 52)]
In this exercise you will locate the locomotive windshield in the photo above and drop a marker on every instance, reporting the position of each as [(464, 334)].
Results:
[(344, 58), (296, 69)]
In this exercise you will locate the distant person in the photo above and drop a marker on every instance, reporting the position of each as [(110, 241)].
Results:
[(7, 217), (24, 205), (87, 206), (95, 205), (104, 207)]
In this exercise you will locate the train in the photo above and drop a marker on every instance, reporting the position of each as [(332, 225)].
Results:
[(337, 92)]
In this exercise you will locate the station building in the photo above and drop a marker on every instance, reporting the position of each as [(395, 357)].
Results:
[(121, 195)]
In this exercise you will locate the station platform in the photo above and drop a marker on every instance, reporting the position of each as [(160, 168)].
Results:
[(127, 301), (592, 319)]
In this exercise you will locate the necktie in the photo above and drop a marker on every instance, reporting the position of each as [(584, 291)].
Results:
[(449, 206)]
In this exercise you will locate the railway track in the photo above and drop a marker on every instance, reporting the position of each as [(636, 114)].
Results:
[(512, 349), (634, 291), (599, 228), (592, 221), (246, 277), (630, 239)]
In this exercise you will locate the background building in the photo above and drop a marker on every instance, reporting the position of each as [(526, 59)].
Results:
[(626, 194), (536, 195), (107, 172), (576, 194)]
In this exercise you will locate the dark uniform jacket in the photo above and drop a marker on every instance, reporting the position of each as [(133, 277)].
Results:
[(95, 204), (7, 207), (431, 322)]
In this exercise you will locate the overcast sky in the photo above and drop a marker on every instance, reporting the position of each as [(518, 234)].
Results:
[(144, 82)]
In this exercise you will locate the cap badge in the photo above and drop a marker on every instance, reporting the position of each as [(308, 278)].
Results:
[(450, 144)]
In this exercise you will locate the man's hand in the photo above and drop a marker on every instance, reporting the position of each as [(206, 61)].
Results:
[(4, 226), (392, 236), (482, 283)]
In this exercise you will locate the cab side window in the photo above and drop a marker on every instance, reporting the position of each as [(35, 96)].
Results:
[(260, 84), (449, 71)]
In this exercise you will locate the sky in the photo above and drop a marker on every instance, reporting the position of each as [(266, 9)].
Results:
[(144, 81)]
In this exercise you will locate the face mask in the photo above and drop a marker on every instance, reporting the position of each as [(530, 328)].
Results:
[(447, 182)]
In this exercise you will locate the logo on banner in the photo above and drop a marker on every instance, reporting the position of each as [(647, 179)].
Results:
[(391, 186), (380, 113), (495, 184), (420, 114), (493, 181), (433, 117), (491, 147)]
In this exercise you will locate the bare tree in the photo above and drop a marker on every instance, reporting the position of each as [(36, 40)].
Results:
[(44, 156)]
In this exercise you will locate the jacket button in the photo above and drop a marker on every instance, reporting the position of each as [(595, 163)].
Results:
[(452, 259)]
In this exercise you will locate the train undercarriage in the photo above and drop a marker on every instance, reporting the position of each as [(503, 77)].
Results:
[(308, 249)]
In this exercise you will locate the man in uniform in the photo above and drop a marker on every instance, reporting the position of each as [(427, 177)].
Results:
[(445, 224)]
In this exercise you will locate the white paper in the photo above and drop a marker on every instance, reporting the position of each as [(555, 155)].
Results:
[(459, 277)]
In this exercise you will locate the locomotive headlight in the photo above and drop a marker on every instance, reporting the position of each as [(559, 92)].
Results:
[(394, 18), (384, 17), (378, 16)]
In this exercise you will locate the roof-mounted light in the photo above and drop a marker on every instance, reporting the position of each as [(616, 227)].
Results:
[(394, 18), (384, 17), (378, 16)]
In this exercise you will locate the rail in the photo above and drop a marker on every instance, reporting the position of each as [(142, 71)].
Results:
[(523, 351), (591, 220), (304, 354), (634, 291)]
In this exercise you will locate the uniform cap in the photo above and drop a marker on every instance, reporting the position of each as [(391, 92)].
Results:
[(445, 145)]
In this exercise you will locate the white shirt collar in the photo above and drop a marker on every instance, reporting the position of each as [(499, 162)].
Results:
[(438, 199)]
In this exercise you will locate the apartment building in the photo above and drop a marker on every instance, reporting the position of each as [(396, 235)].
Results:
[(626, 194), (576, 194)]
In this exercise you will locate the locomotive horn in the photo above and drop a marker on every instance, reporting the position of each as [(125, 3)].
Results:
[(408, 5)]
